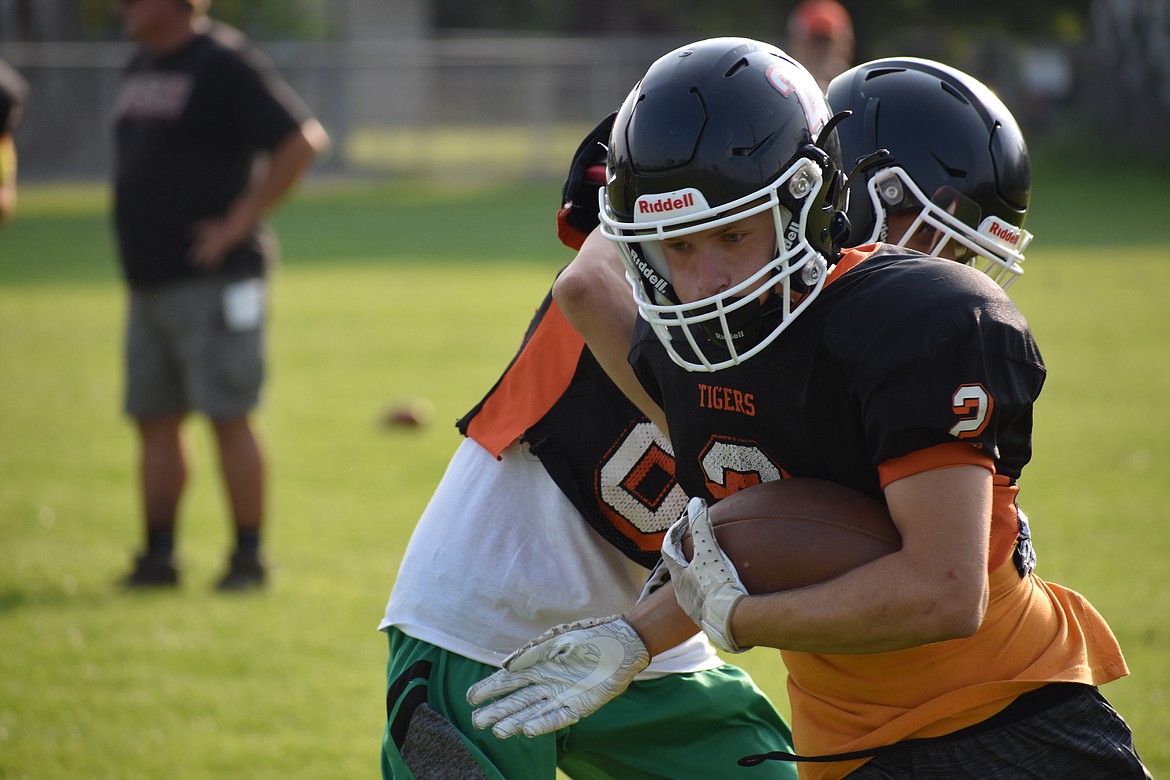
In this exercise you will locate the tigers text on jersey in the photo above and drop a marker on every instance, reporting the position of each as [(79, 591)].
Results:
[(613, 464), (903, 364), (873, 372)]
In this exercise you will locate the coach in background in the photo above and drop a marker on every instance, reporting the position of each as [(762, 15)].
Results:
[(13, 93), (208, 138)]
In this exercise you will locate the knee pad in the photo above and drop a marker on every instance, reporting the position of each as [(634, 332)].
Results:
[(429, 744), (434, 749)]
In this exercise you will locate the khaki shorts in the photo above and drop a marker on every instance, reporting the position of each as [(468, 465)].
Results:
[(186, 351)]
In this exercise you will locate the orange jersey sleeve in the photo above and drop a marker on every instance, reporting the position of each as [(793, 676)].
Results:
[(1004, 522), (536, 379)]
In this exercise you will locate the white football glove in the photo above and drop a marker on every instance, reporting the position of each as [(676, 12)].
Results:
[(560, 677), (707, 588)]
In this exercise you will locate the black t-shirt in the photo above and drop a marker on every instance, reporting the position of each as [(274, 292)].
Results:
[(899, 354), (188, 126)]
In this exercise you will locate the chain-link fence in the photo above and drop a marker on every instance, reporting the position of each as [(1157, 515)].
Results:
[(516, 107), (490, 106)]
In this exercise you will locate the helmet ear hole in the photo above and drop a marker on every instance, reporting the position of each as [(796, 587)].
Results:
[(890, 189)]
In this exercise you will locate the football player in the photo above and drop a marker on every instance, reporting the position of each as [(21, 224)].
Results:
[(907, 378), (553, 509), (955, 178)]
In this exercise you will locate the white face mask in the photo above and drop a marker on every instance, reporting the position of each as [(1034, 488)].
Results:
[(993, 246), (706, 334)]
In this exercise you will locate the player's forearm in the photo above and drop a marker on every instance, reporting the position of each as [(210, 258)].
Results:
[(933, 589), (882, 606), (595, 297), (660, 622)]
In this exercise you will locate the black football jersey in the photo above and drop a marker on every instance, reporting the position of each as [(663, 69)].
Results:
[(615, 466), (899, 353)]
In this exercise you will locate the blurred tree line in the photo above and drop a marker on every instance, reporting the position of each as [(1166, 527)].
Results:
[(875, 20), (1103, 63)]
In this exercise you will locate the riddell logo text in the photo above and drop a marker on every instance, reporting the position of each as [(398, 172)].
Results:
[(650, 275), (791, 234), (667, 203), (1004, 232), (727, 399)]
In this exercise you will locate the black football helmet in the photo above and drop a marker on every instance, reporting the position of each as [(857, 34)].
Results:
[(956, 155), (717, 131)]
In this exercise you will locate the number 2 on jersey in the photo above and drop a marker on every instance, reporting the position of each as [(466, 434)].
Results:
[(973, 405)]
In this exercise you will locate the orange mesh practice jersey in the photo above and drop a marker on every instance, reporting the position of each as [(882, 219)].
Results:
[(1034, 632), (903, 364), (614, 465)]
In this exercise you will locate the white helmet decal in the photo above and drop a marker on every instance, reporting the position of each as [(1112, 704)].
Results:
[(788, 79), (652, 208)]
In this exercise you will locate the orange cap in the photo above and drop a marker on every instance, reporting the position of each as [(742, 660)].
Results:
[(820, 18)]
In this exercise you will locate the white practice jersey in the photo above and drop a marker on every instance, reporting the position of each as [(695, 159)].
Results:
[(500, 555)]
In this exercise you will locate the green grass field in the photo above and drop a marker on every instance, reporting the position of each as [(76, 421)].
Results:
[(390, 291)]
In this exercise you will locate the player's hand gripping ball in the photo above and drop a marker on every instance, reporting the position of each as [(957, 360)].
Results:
[(772, 537), (791, 533), (706, 584)]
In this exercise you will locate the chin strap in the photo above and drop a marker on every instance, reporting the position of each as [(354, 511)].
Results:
[(882, 158)]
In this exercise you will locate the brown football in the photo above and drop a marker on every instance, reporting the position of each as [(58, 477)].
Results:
[(789, 533)]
